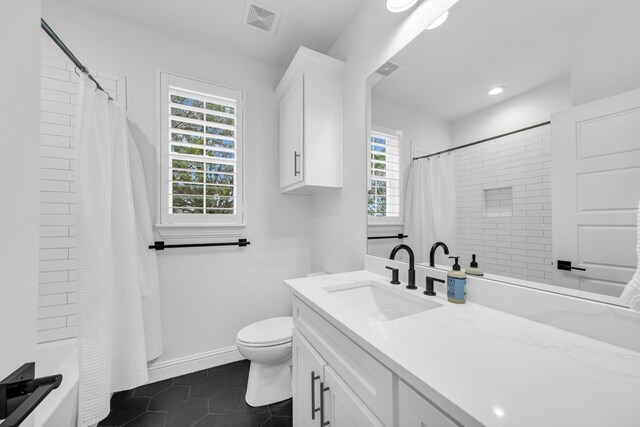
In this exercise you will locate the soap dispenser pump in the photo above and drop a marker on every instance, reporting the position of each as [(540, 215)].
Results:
[(456, 284), (473, 269)]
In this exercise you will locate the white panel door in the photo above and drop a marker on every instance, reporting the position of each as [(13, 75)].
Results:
[(596, 187), (340, 405), (307, 376), (292, 134)]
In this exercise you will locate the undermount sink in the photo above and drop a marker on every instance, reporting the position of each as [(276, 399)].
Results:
[(382, 304)]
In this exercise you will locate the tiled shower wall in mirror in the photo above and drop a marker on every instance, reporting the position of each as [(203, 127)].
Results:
[(503, 193), (57, 311)]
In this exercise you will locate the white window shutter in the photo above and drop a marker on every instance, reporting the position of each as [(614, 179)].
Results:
[(201, 137)]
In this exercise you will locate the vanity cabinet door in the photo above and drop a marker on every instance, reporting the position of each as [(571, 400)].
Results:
[(292, 134), (340, 405), (307, 375), (415, 411)]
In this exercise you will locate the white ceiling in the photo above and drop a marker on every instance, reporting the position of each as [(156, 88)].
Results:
[(521, 44), (315, 24)]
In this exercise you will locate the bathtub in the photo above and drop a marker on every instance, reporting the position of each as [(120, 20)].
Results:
[(60, 408)]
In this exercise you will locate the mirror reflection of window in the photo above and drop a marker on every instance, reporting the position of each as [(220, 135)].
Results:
[(384, 175)]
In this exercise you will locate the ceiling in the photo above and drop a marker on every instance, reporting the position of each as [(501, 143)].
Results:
[(520, 44), (316, 24)]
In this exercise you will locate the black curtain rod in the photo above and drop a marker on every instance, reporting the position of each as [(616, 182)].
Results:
[(47, 29), (160, 246), (482, 140)]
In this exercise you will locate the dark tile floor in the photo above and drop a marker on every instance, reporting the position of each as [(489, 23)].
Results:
[(209, 398)]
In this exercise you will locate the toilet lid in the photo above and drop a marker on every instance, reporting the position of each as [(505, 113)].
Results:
[(267, 332)]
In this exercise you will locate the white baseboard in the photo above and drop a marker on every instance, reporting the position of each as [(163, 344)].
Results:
[(193, 363)]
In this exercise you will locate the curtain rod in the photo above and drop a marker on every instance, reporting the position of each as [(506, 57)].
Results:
[(47, 29), (481, 141)]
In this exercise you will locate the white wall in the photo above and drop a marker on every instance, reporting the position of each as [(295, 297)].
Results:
[(207, 294), (339, 222), (606, 53), (19, 118), (429, 133), (417, 128), (529, 108)]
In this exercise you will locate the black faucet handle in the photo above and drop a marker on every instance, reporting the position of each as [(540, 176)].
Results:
[(394, 275), (429, 291)]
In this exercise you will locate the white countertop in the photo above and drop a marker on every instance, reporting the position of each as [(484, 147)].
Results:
[(497, 368)]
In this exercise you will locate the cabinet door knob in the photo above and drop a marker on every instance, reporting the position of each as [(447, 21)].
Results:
[(322, 390), (314, 377)]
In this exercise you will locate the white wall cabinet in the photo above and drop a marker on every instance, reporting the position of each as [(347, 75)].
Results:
[(310, 95), (340, 384)]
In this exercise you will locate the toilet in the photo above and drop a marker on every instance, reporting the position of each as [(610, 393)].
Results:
[(267, 345)]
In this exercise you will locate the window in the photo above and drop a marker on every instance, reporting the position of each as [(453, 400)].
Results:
[(384, 176), (200, 153)]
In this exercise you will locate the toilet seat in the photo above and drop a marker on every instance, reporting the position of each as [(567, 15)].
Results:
[(267, 333)]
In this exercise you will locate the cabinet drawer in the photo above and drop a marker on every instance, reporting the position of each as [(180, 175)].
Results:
[(367, 377)]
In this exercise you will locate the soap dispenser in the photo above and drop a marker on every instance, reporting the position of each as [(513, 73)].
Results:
[(456, 284), (473, 269)]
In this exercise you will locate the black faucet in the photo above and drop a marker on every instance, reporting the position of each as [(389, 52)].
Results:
[(412, 270), (432, 253)]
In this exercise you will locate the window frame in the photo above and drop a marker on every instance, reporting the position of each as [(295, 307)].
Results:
[(165, 219), (385, 220)]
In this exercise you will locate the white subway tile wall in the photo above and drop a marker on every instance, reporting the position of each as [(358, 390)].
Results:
[(504, 205), (57, 313)]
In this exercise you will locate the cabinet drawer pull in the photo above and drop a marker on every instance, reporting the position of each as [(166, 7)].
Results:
[(322, 390), (295, 163), (314, 377)]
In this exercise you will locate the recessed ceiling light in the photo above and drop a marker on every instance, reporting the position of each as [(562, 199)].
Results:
[(497, 90), (400, 5), (439, 21)]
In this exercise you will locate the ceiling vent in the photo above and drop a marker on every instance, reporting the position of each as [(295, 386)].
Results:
[(260, 17), (387, 68)]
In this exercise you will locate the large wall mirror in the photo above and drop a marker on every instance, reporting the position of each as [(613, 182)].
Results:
[(539, 178)]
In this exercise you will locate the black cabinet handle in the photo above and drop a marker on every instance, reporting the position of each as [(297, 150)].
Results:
[(314, 377), (322, 390), (295, 163), (566, 266)]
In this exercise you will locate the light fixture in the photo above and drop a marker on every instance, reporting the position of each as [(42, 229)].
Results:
[(498, 411), (400, 5), (497, 90), (439, 21)]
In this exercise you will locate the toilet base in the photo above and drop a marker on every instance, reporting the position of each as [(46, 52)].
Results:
[(269, 383)]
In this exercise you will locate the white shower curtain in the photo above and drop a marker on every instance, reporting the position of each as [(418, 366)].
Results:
[(430, 206), (118, 300)]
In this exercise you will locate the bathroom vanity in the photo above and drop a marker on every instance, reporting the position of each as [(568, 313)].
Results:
[(367, 353)]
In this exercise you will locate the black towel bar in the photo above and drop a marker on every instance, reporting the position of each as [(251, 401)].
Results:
[(398, 236), (160, 246)]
